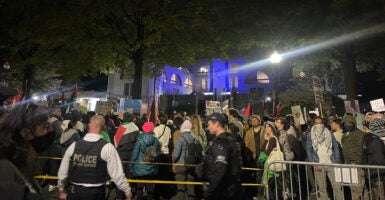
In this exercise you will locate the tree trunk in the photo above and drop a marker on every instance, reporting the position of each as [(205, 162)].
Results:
[(138, 61), (29, 71), (348, 63)]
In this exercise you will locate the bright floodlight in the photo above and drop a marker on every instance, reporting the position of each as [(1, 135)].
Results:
[(35, 97), (275, 57)]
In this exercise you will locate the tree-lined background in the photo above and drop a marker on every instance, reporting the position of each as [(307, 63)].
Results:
[(51, 43)]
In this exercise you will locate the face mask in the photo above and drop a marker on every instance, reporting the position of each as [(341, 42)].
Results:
[(348, 127)]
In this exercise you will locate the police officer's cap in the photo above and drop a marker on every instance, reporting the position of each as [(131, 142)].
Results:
[(217, 117)]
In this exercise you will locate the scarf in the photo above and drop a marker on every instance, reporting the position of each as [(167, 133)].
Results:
[(380, 133), (319, 135)]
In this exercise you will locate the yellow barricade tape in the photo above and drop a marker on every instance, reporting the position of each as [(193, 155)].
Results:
[(153, 163), (161, 181)]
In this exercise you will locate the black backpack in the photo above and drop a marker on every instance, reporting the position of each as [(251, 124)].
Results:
[(193, 153)]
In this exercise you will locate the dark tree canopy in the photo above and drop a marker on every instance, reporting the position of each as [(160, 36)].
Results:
[(76, 38)]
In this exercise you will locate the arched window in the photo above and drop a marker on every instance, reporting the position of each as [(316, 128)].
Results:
[(204, 69), (188, 83), (175, 79), (262, 77)]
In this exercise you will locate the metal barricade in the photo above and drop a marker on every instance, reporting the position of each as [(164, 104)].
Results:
[(307, 180)]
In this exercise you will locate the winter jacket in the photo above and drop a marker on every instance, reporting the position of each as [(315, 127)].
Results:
[(284, 141), (144, 140), (67, 138), (181, 145), (374, 150), (352, 143), (250, 141), (12, 185), (312, 154)]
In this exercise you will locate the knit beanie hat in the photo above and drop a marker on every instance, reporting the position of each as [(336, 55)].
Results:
[(186, 126), (376, 124), (272, 126), (148, 127)]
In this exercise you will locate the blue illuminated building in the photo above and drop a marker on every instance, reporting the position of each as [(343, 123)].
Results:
[(220, 77)]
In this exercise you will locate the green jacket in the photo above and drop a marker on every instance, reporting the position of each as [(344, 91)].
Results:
[(352, 143)]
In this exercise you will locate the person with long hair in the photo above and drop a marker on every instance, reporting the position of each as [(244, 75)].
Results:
[(271, 142), (197, 130), (25, 131)]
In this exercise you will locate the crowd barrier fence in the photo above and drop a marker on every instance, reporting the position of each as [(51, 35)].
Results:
[(300, 180), (307, 180)]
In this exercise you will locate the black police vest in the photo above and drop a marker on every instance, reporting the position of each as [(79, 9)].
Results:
[(86, 164)]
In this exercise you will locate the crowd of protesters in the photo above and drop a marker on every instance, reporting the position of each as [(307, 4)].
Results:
[(193, 149)]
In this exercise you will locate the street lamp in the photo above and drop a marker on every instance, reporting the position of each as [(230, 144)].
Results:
[(275, 59)]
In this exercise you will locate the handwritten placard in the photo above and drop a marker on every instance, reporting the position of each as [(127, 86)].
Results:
[(378, 105)]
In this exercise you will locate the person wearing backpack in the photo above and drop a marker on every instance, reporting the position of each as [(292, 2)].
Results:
[(187, 152), (146, 149)]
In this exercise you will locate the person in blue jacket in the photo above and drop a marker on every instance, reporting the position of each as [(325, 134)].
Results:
[(146, 150), (322, 147)]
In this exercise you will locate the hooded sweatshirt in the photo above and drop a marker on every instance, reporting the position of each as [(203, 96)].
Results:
[(352, 142)]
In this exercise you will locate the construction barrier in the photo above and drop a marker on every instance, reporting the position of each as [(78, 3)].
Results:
[(307, 180)]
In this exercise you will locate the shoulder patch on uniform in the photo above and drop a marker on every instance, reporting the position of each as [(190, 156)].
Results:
[(221, 159)]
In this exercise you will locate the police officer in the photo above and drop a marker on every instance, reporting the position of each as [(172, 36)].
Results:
[(223, 162), (88, 164)]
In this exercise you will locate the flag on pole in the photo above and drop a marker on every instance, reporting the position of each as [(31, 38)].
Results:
[(75, 92), (263, 109), (276, 110), (16, 99), (153, 114), (247, 112)]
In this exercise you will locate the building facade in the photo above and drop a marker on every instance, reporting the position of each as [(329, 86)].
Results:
[(218, 79)]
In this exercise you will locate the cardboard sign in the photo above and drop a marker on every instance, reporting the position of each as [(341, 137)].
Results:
[(213, 104), (213, 107), (297, 113), (377, 105), (130, 105)]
